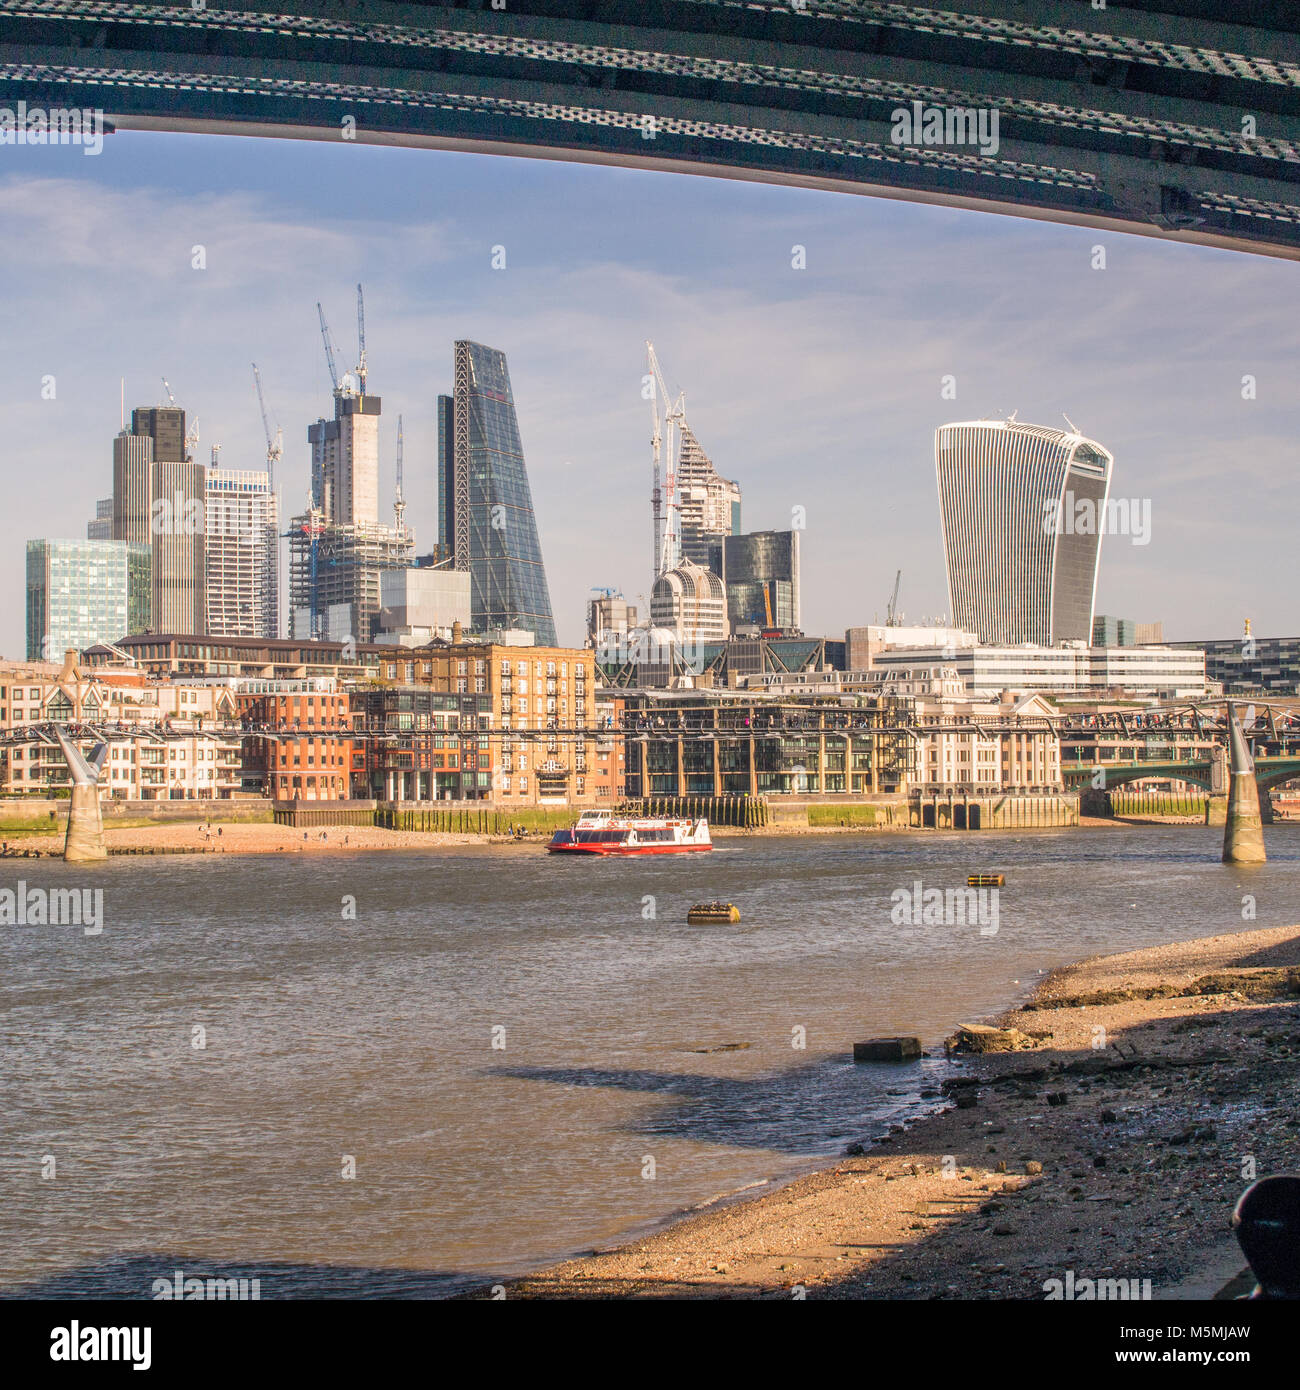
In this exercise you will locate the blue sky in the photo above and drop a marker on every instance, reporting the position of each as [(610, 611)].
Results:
[(816, 388)]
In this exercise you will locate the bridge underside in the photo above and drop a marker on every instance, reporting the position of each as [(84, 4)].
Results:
[(1269, 772), (1152, 116), (1198, 774)]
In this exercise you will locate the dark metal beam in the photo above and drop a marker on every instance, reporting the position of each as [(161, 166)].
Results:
[(1128, 117)]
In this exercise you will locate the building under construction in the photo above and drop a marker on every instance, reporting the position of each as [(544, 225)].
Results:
[(334, 575), (338, 547)]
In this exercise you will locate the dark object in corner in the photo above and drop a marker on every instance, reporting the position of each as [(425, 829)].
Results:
[(1267, 1223)]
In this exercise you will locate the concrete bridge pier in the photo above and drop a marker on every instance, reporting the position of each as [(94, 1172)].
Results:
[(85, 839), (1243, 831)]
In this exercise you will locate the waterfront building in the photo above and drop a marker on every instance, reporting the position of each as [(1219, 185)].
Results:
[(199, 759), (1008, 744), (1249, 665), (729, 743), (760, 570), (690, 602), (486, 520), (310, 756), (1072, 668), (541, 702), (439, 746), (965, 743), (242, 541), (1022, 507), (159, 494), (83, 592), (709, 504)]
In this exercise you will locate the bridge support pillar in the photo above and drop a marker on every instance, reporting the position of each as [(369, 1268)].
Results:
[(85, 839), (1243, 831)]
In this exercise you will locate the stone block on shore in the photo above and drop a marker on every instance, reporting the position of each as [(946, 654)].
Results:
[(979, 1037), (887, 1050)]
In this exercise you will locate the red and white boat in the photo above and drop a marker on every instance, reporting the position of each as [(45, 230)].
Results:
[(603, 832)]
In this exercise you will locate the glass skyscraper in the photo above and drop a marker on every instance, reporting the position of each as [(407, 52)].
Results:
[(486, 523), (83, 592), (761, 571), (1022, 509)]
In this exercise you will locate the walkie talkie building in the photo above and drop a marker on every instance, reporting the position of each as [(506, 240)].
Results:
[(1022, 509), (486, 522)]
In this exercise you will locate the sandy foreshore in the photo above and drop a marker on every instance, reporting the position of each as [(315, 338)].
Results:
[(232, 837), (1118, 1160)]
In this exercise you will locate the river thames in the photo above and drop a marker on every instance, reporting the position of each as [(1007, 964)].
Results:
[(504, 1058)]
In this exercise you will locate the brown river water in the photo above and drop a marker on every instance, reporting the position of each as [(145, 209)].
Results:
[(640, 1065)]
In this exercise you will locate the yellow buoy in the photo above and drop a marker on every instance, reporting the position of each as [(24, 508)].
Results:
[(703, 914)]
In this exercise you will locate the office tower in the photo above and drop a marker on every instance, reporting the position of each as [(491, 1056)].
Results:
[(690, 602), (1015, 502), (159, 493), (345, 458), (485, 508), (132, 487), (761, 572), (243, 549), (338, 548), (101, 528), (709, 503), (83, 592)]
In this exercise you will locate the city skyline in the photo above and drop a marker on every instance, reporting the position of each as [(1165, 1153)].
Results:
[(825, 407)]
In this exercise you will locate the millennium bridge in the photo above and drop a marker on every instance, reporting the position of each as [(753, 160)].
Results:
[(1172, 118), (1183, 741)]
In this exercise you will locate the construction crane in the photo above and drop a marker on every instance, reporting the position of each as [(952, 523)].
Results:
[(171, 400), (664, 502), (361, 342), (192, 436), (892, 618), (329, 348), (399, 502), (274, 447)]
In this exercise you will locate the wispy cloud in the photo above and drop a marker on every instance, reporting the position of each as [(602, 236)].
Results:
[(819, 387)]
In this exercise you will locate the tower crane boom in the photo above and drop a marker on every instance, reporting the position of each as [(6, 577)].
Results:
[(361, 341), (664, 500), (399, 502), (274, 447), (329, 346)]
